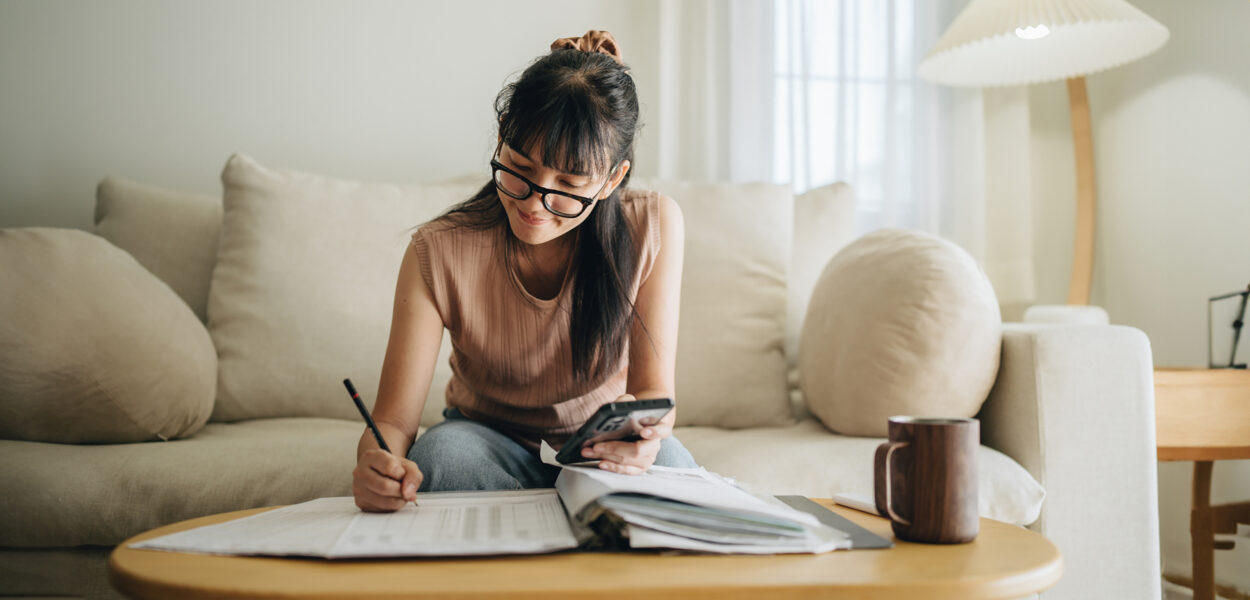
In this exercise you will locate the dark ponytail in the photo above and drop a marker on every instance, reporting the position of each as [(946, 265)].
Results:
[(581, 109)]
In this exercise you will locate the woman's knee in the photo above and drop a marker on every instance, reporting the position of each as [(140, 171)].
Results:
[(674, 454), (458, 455), (444, 440)]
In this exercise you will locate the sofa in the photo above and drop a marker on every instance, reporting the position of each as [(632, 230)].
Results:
[(199, 343)]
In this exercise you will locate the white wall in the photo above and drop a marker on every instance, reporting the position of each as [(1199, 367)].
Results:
[(1172, 156), (164, 91)]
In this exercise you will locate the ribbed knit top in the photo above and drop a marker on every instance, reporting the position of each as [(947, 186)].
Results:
[(511, 355)]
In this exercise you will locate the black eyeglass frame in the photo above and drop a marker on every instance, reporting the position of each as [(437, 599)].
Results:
[(496, 166)]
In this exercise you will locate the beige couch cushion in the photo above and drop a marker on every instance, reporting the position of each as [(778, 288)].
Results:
[(105, 494), (93, 347), (731, 366), (304, 285), (900, 323), (824, 223), (806, 459), (173, 234)]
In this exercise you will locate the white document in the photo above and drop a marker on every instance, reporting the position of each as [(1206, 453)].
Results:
[(445, 524), (308, 529), (547, 454), (860, 502), (462, 523)]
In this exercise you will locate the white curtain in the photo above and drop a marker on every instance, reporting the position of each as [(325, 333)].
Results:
[(715, 63), (815, 91)]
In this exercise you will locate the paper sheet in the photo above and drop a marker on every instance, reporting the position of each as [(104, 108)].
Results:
[(308, 529), (445, 524), (526, 521), (547, 454)]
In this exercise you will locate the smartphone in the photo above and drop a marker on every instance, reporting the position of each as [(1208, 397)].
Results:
[(612, 422)]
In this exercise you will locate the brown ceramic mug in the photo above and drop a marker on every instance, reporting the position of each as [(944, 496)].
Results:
[(926, 479)]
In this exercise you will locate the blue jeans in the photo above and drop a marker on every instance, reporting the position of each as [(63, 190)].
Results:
[(462, 454)]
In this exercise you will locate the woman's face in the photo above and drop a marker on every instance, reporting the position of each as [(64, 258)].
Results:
[(531, 222)]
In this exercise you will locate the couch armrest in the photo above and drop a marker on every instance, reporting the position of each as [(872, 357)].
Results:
[(1074, 404)]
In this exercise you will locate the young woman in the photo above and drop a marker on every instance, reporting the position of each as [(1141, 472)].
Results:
[(559, 289)]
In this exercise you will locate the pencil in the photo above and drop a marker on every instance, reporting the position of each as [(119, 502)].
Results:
[(364, 412)]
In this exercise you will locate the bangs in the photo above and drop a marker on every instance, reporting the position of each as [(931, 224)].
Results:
[(563, 124)]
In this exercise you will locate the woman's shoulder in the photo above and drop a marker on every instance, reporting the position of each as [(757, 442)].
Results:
[(653, 217), (648, 210), (444, 237), (643, 205), (432, 228), (448, 227), (640, 197)]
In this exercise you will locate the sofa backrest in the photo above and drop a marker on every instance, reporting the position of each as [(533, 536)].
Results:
[(753, 253), (173, 234), (746, 228)]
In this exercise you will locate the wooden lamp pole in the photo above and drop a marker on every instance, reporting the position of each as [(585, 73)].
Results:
[(1083, 249)]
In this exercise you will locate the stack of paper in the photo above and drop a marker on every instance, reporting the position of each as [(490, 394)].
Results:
[(690, 509)]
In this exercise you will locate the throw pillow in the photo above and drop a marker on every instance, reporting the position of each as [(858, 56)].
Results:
[(302, 293), (900, 323), (731, 365), (173, 234), (824, 223), (93, 347)]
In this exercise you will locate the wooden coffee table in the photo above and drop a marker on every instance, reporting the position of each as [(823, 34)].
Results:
[(1005, 561)]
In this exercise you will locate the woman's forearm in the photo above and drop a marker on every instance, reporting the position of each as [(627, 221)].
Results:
[(398, 439)]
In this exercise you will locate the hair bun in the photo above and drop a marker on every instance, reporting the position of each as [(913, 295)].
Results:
[(595, 40)]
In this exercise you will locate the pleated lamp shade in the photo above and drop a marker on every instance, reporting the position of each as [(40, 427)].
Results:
[(1020, 42)]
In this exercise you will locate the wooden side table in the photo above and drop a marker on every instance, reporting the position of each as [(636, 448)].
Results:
[(1004, 561), (1203, 415)]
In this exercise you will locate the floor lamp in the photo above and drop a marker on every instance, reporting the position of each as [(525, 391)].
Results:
[(1021, 42)]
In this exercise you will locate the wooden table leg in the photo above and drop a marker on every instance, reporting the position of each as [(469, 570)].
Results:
[(1201, 534)]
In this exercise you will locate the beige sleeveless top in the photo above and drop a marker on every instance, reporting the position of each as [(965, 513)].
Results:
[(511, 356)]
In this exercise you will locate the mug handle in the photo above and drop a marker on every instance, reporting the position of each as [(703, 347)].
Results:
[(885, 482)]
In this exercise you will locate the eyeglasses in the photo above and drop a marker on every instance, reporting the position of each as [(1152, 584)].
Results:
[(561, 204)]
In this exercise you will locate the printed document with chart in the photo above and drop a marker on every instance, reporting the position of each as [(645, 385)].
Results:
[(445, 524), (690, 509)]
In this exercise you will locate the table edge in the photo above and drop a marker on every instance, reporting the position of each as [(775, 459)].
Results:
[(1202, 453)]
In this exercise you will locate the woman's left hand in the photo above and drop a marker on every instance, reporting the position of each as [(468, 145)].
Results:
[(631, 458)]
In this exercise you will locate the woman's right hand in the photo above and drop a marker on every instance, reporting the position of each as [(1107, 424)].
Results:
[(383, 482)]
